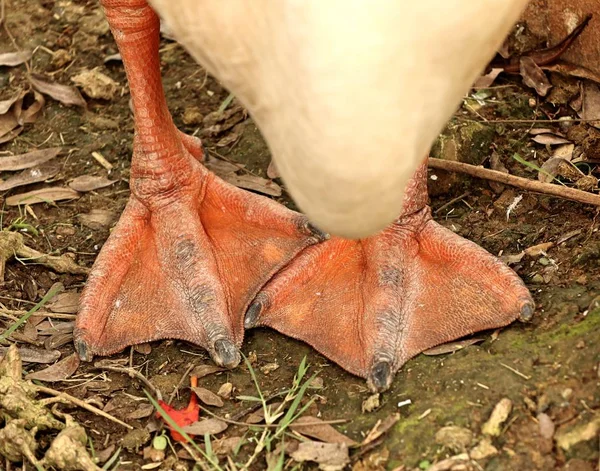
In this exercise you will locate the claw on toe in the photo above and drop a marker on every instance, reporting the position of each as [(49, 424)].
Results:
[(526, 313), (83, 351), (226, 354), (381, 376)]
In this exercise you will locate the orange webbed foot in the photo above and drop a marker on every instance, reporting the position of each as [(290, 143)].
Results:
[(372, 304)]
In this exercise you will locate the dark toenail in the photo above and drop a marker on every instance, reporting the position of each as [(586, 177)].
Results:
[(252, 314), (381, 376), (526, 313), (226, 354), (316, 232), (82, 350)]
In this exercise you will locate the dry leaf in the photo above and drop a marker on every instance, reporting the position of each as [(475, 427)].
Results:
[(533, 76), (57, 372), (31, 175), (89, 183), (11, 135), (32, 355), (316, 428), (51, 328), (330, 456), (211, 426), (485, 81), (225, 446), (95, 84), (564, 151), (272, 171), (31, 114), (225, 390), (58, 340), (381, 427), (66, 303), (452, 347), (65, 94), (205, 370), (572, 70), (45, 195), (251, 182), (539, 249), (5, 105), (208, 397), (96, 219), (497, 418), (536, 131), (28, 160), (590, 108), (12, 59), (550, 139), (142, 411)]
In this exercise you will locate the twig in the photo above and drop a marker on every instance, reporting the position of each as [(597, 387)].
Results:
[(519, 182), (529, 121), (78, 402), (183, 377), (515, 371), (452, 201), (133, 373)]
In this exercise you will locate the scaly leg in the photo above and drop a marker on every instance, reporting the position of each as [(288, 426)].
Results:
[(190, 252)]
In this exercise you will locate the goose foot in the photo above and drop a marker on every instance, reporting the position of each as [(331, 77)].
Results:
[(370, 305)]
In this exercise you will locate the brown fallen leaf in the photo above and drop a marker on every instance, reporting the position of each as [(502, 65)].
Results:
[(380, 428), (5, 105), (314, 427), (254, 183), (45, 195), (204, 370), (539, 249), (31, 175), (28, 160), (12, 59), (329, 456), (208, 397), (65, 94), (550, 139), (66, 303), (572, 70), (488, 79), (590, 107), (58, 340), (452, 347), (226, 445), (498, 416), (85, 183), (272, 171), (33, 355), (210, 426), (52, 328), (11, 135), (142, 411), (534, 76), (95, 84), (564, 151), (30, 114), (96, 219), (57, 372)]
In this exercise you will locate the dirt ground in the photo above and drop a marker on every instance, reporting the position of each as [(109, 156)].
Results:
[(548, 369)]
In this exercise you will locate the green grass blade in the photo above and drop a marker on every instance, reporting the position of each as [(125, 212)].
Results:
[(49, 295)]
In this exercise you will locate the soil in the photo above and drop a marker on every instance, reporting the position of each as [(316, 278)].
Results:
[(548, 366)]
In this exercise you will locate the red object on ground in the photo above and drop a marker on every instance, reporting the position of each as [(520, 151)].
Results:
[(182, 417)]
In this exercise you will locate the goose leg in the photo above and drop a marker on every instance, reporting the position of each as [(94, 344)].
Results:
[(190, 252), (372, 304)]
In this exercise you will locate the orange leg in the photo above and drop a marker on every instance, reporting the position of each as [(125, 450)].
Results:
[(190, 252), (372, 304)]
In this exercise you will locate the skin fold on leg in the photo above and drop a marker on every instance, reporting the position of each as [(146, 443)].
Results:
[(372, 304), (190, 252)]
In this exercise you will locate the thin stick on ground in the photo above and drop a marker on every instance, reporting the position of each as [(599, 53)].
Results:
[(518, 182), (133, 373), (62, 396)]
